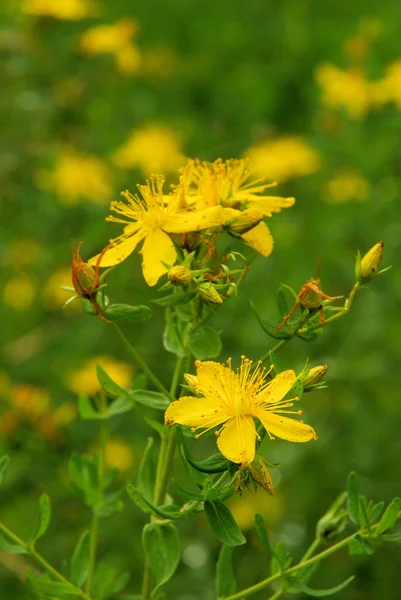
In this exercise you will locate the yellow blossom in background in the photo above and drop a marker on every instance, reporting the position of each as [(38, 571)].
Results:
[(348, 90), (19, 291), (283, 158), (233, 399), (116, 40), (84, 380), (77, 177), (54, 297), (65, 414), (228, 183), (30, 400), (388, 89), (244, 508), (119, 455), (151, 217), (69, 10), (346, 187), (152, 149)]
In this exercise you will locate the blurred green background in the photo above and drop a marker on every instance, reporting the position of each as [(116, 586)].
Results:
[(97, 95)]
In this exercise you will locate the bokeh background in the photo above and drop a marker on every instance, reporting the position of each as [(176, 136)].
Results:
[(95, 96)]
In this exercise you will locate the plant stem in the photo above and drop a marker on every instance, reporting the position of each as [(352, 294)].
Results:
[(311, 550), (303, 563), (338, 315), (94, 532), (131, 350), (42, 562)]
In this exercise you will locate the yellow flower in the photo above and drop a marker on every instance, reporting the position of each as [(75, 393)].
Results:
[(69, 10), (233, 399), (84, 380), (227, 183), (153, 149), (151, 218), (19, 291), (68, 182), (344, 89), (283, 158), (347, 186)]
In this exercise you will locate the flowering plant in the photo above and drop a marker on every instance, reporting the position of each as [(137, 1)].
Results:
[(181, 233)]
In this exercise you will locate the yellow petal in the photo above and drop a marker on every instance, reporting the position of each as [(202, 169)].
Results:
[(271, 204), (195, 412), (237, 440), (278, 387), (260, 239), (285, 428), (185, 221), (157, 247), (119, 252)]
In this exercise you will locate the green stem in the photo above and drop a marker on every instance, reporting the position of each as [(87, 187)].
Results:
[(276, 595), (42, 562), (344, 311), (311, 550), (131, 350), (304, 563), (94, 532)]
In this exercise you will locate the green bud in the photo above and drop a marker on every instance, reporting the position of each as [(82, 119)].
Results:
[(260, 474), (370, 263), (315, 375), (209, 294)]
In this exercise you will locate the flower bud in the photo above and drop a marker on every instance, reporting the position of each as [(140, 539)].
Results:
[(179, 275), (209, 294), (85, 278), (247, 220), (260, 474), (315, 375), (370, 263)]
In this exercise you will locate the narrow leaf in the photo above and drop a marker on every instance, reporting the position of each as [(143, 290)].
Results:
[(146, 474), (353, 498), (120, 406), (4, 460), (110, 387), (124, 313), (47, 589), (262, 533), (44, 517), (320, 593), (390, 517), (172, 340), (148, 507), (282, 305), (270, 327), (225, 579), (175, 299), (11, 548), (223, 524), (86, 410), (80, 560), (151, 399), (214, 464), (163, 550)]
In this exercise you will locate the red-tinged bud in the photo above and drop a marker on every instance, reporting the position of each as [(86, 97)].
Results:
[(85, 278)]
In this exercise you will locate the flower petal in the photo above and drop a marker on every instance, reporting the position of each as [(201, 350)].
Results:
[(260, 239), (285, 428), (237, 440), (277, 388), (119, 252), (195, 412), (157, 247), (271, 204), (185, 221)]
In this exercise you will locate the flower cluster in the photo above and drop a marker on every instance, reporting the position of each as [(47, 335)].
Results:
[(209, 198)]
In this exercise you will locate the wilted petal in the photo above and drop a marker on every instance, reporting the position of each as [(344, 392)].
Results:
[(237, 440), (260, 239)]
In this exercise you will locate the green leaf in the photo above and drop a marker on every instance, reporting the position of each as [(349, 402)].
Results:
[(179, 297), (83, 473), (204, 342), (11, 548), (47, 589), (222, 523), (194, 475), (320, 593), (187, 495), (355, 546), (44, 518), (376, 511), (281, 558), (172, 340), (216, 463), (262, 533), (146, 474), (270, 327), (225, 580), (390, 517), (391, 537), (120, 406), (4, 460), (148, 398), (80, 560), (353, 498), (124, 313), (147, 507), (162, 549), (110, 387), (310, 336), (156, 425), (86, 410), (108, 581), (281, 302)]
